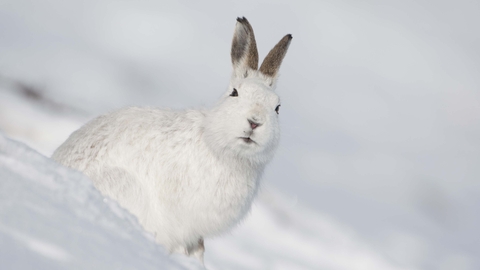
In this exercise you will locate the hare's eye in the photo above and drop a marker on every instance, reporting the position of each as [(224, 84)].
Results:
[(234, 93), (277, 108)]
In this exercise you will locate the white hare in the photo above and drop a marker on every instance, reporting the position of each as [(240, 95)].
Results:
[(188, 174)]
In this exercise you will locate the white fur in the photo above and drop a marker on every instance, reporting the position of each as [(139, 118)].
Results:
[(185, 174)]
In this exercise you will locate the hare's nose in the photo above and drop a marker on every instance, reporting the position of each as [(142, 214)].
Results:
[(253, 124)]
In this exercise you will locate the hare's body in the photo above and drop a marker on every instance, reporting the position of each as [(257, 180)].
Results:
[(182, 192), (188, 174)]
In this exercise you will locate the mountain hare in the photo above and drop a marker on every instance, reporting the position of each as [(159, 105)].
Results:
[(188, 174)]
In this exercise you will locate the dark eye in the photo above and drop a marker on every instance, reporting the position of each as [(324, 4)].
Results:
[(234, 93), (277, 108)]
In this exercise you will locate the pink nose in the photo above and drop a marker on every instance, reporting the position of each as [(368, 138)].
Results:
[(253, 124)]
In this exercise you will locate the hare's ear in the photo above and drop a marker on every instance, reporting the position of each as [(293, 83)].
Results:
[(244, 48), (274, 58)]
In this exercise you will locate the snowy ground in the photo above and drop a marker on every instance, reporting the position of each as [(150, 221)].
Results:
[(378, 164), (53, 218)]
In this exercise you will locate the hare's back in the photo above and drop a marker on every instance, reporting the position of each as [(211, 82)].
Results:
[(126, 134)]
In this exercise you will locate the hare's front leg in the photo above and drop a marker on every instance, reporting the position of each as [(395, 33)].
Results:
[(198, 250)]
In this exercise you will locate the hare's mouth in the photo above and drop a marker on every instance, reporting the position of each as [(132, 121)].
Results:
[(247, 140)]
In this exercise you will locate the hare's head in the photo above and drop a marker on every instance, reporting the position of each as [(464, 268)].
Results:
[(245, 120)]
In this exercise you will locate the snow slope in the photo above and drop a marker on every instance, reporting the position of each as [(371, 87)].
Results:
[(53, 218)]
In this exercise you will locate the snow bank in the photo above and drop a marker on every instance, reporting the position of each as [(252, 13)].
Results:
[(52, 217)]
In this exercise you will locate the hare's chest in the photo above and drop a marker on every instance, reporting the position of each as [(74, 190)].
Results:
[(226, 199), (200, 191)]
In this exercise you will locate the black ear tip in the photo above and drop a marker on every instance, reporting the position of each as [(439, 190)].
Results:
[(290, 36), (241, 19)]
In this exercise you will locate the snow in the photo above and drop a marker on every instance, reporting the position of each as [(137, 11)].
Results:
[(378, 163), (53, 218)]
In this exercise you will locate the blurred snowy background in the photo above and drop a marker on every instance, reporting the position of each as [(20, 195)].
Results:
[(378, 166)]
